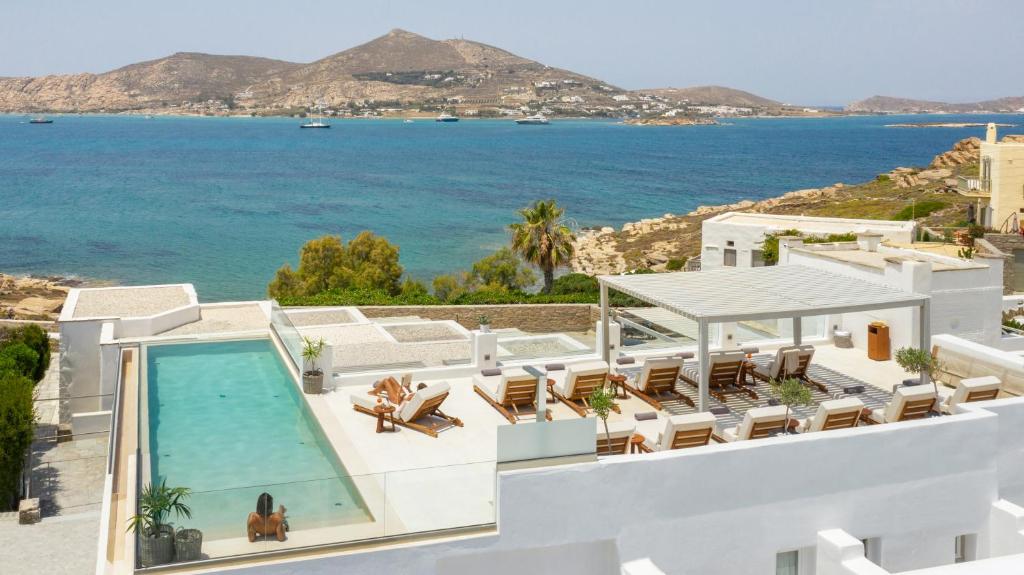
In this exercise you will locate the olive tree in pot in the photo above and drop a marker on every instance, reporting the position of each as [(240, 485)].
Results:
[(152, 525), (790, 392), (601, 401), (312, 380), (918, 361)]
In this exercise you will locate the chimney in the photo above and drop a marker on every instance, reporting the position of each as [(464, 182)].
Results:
[(868, 241), (990, 133)]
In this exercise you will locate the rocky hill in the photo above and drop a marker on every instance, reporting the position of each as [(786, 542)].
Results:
[(652, 242), (884, 104), (712, 96), (400, 68)]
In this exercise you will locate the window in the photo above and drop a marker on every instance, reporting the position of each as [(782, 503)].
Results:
[(756, 259), (730, 258), (787, 563), (730, 243)]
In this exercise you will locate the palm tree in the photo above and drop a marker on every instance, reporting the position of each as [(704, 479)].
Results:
[(543, 239)]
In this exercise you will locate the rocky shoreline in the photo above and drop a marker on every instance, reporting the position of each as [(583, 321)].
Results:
[(654, 242), (673, 121), (34, 297)]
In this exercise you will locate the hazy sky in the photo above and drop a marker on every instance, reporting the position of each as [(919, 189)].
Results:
[(799, 51)]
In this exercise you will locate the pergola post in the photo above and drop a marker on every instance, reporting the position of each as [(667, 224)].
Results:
[(605, 351), (798, 331), (926, 333), (703, 363)]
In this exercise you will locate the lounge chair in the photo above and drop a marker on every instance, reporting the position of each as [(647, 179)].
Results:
[(724, 372), (757, 423), (790, 361), (420, 413), (574, 385), (619, 432), (658, 379), (513, 392), (678, 432), (908, 402), (971, 389), (833, 414)]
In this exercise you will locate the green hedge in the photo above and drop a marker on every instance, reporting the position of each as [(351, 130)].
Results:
[(29, 348), (24, 358), (357, 297)]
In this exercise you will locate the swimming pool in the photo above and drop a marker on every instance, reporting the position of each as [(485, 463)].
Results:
[(227, 421)]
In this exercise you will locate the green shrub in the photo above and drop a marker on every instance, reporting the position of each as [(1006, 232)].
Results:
[(675, 264), (37, 340), (920, 210), (503, 268), (16, 422), (883, 178), (25, 359), (575, 283)]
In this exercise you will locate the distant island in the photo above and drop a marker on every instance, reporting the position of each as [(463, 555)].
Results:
[(890, 105), (946, 125), (400, 74)]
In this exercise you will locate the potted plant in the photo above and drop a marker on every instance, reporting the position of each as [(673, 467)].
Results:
[(188, 545), (601, 401), (918, 361), (313, 379), (790, 392), (155, 532), (485, 323)]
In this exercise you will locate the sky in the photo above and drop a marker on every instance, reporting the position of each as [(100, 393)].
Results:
[(812, 52)]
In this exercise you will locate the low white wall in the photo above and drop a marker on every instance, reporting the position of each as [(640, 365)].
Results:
[(80, 371), (731, 508), (159, 323), (90, 423)]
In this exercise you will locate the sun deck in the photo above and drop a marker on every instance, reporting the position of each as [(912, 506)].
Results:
[(130, 302)]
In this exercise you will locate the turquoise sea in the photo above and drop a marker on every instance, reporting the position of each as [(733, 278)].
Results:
[(222, 202)]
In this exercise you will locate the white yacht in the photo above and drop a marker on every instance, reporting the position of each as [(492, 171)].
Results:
[(317, 121), (446, 117), (534, 120)]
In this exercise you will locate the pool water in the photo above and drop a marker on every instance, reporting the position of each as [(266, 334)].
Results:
[(227, 421)]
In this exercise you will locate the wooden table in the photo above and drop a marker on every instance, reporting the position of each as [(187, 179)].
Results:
[(618, 382), (636, 442), (383, 411)]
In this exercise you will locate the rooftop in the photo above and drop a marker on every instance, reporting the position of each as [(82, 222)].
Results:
[(812, 224), (849, 252), (130, 302)]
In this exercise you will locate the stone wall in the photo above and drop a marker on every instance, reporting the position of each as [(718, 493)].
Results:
[(1006, 243), (538, 318)]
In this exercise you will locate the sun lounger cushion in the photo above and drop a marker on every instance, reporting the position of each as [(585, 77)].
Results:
[(626, 360), (774, 367), (495, 386), (891, 412), (363, 399), (951, 398), (565, 382), (830, 407), (491, 371), (659, 363), (661, 440), (429, 392), (757, 415), (617, 430)]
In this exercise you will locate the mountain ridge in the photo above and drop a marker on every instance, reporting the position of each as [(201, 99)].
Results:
[(890, 104)]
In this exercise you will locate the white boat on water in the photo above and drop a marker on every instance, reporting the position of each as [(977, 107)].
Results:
[(534, 120), (407, 121), (446, 117), (318, 121)]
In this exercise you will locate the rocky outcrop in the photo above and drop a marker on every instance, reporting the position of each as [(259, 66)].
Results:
[(964, 152), (671, 121)]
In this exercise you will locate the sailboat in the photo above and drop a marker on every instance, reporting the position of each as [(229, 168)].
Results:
[(40, 120), (319, 121)]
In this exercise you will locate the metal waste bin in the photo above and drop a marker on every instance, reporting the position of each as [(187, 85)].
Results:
[(878, 341)]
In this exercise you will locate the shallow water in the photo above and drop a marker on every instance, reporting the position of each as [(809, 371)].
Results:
[(222, 202)]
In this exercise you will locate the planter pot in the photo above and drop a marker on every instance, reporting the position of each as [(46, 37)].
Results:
[(158, 549), (188, 545), (312, 383), (485, 328)]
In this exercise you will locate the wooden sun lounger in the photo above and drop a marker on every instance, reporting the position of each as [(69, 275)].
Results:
[(918, 405), (579, 401), (724, 380), (800, 373), (660, 381), (429, 408), (519, 393)]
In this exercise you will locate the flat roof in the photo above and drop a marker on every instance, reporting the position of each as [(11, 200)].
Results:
[(126, 302), (736, 294), (878, 260), (812, 223)]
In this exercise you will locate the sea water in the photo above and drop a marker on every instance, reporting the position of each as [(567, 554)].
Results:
[(223, 202)]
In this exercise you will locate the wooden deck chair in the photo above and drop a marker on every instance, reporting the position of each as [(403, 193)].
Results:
[(757, 423), (791, 361), (619, 432), (833, 414), (420, 413), (513, 392), (971, 389), (724, 372), (908, 402), (679, 432), (574, 385), (658, 379)]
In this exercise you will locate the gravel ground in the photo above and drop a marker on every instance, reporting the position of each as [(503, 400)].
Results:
[(425, 332), (129, 302), (224, 319), (302, 318)]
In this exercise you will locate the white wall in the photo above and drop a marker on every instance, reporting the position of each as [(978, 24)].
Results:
[(79, 367), (730, 508)]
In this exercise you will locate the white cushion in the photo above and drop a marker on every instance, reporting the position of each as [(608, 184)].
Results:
[(566, 384), (830, 407), (756, 415), (892, 411), (363, 399), (421, 396), (966, 386), (659, 363), (677, 423), (616, 430), (496, 386)]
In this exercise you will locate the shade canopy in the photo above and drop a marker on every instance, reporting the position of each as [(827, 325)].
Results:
[(738, 294)]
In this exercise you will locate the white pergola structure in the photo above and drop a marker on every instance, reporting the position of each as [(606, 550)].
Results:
[(772, 292)]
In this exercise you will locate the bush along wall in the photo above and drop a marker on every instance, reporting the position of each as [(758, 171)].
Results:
[(24, 359)]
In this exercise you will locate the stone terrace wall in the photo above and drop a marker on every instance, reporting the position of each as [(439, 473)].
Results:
[(538, 318), (1007, 243)]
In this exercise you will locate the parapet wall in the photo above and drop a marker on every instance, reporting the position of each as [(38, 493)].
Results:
[(538, 318)]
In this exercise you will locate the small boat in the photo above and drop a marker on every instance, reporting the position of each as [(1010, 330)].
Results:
[(40, 120), (407, 121), (534, 120), (446, 117), (319, 121)]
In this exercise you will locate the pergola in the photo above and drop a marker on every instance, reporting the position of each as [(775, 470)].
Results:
[(772, 292)]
